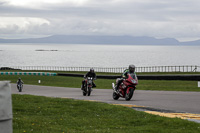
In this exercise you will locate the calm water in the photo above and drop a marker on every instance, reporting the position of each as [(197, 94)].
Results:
[(97, 55)]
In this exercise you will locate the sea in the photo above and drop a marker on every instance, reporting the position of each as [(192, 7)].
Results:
[(88, 55)]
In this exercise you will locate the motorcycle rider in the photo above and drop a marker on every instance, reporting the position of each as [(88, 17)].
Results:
[(131, 69), (92, 74), (19, 81)]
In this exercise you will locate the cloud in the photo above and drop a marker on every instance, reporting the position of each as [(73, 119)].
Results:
[(177, 19)]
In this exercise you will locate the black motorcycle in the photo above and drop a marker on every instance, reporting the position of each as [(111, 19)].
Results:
[(87, 86), (20, 86)]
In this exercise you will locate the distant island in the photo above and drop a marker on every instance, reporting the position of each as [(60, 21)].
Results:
[(44, 50), (90, 39)]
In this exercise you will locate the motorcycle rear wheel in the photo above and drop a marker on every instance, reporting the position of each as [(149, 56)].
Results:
[(115, 96), (129, 95)]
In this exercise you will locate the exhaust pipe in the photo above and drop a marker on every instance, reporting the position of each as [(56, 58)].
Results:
[(113, 86)]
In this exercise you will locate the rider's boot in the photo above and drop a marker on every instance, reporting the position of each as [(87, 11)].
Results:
[(93, 85)]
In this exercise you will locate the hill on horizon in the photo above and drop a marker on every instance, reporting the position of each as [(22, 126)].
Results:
[(89, 39)]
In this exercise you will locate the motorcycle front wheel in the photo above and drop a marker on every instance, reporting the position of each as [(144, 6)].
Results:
[(129, 95), (115, 96), (89, 91), (20, 89), (84, 92)]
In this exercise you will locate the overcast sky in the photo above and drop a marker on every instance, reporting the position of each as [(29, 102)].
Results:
[(178, 19)]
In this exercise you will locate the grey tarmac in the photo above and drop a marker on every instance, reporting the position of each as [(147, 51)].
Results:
[(175, 101)]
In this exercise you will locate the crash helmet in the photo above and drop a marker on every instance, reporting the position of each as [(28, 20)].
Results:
[(131, 68), (92, 70)]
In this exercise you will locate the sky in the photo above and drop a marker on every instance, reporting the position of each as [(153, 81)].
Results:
[(177, 19)]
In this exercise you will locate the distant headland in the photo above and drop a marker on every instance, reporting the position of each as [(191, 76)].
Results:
[(92, 39)]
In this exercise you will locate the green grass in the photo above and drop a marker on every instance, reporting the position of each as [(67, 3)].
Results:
[(60, 81), (75, 82), (39, 114), (168, 85)]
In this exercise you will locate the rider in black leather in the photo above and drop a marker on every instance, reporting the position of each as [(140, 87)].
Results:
[(19, 81), (92, 74)]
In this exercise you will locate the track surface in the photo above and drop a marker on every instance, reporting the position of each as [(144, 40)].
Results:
[(186, 102)]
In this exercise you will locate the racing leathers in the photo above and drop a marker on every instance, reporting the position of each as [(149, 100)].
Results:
[(124, 76), (89, 74)]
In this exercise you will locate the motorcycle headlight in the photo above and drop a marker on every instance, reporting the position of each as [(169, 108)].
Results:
[(134, 81)]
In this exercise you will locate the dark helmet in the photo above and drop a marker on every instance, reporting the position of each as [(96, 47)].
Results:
[(131, 68), (91, 70)]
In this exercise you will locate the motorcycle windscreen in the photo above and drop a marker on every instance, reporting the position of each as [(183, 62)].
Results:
[(133, 76)]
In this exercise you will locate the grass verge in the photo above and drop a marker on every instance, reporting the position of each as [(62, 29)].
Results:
[(75, 82), (55, 115)]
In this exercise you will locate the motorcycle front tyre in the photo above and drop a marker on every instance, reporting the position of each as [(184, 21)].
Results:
[(115, 96), (20, 89), (129, 95), (89, 91), (84, 92)]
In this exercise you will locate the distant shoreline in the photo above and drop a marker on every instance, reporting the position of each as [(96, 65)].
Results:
[(113, 40), (45, 50)]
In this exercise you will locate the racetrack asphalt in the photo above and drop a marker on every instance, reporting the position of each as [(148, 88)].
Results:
[(164, 101)]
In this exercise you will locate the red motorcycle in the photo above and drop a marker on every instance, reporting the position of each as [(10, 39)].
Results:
[(126, 88)]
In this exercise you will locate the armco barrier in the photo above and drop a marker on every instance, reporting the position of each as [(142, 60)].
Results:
[(81, 75), (143, 77), (69, 74), (28, 73)]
